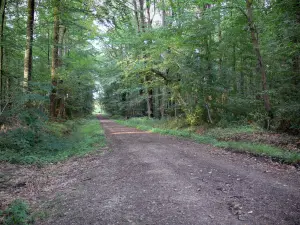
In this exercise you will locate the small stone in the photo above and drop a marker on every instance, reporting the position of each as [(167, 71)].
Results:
[(238, 212), (242, 218)]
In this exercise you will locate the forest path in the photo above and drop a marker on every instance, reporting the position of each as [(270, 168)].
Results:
[(155, 179)]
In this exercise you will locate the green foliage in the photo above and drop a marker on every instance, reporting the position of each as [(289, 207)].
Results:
[(17, 213), (52, 142), (78, 65), (204, 55), (195, 116)]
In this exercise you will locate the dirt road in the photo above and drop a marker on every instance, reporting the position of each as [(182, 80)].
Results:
[(153, 179)]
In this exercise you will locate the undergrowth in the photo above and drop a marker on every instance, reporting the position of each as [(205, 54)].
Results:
[(51, 142), (212, 137), (17, 213)]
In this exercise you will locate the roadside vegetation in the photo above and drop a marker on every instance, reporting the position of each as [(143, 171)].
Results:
[(218, 137), (17, 213), (39, 145), (51, 142)]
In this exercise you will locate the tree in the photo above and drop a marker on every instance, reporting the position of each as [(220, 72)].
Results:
[(29, 40), (2, 22), (261, 65), (55, 59)]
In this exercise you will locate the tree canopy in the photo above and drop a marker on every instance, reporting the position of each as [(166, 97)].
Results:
[(213, 62), (216, 62)]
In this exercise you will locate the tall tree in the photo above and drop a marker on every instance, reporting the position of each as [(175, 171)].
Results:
[(136, 15), (29, 40), (261, 65), (2, 21), (55, 58)]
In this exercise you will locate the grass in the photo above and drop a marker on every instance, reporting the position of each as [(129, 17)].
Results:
[(222, 133), (16, 213), (52, 143), (175, 128)]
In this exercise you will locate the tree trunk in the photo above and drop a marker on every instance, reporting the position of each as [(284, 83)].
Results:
[(162, 102), (142, 16), (55, 59), (48, 47), (29, 40), (255, 43), (149, 98), (2, 18), (163, 16), (208, 59), (149, 21), (136, 15), (150, 105), (296, 40), (62, 31)]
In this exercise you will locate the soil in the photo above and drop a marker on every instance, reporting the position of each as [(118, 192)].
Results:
[(146, 178)]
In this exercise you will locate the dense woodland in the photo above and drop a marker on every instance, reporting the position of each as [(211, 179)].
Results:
[(216, 62), (219, 72), (48, 69), (47, 59)]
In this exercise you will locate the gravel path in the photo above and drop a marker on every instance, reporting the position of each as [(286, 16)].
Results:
[(149, 178)]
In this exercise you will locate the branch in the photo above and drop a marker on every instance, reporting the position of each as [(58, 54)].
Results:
[(3, 109), (160, 74)]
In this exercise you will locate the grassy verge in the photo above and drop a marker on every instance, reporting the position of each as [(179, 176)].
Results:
[(17, 212), (51, 142), (210, 137)]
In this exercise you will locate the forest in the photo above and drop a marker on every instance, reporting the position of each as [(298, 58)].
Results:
[(213, 63), (189, 66), (216, 62)]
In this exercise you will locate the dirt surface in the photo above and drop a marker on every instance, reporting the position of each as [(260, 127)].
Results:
[(147, 178), (154, 179)]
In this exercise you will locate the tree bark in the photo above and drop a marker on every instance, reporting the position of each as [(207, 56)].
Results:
[(296, 40), (2, 18), (136, 15), (62, 31), (208, 58), (28, 49), (149, 21), (48, 47), (163, 16), (142, 15), (255, 43), (149, 98), (55, 59)]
